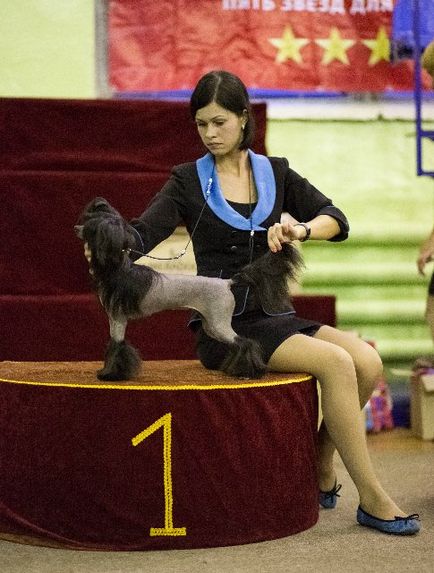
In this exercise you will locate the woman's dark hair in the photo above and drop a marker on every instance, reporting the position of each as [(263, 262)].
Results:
[(228, 91)]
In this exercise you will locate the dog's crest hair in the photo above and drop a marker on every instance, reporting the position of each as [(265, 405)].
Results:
[(121, 285)]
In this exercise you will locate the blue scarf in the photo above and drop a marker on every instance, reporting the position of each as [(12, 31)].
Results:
[(265, 184)]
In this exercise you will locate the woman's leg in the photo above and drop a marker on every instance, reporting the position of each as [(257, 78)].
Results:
[(429, 313), (369, 368), (334, 368)]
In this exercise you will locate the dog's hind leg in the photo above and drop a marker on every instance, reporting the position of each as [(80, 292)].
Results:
[(244, 357), (122, 361)]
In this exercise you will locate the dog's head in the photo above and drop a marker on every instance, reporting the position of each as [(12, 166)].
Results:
[(98, 207), (107, 235)]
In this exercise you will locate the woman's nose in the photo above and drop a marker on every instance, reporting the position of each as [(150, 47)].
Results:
[(210, 131)]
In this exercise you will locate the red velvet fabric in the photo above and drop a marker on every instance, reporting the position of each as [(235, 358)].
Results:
[(74, 327), (243, 461), (102, 135), (55, 156), (42, 253)]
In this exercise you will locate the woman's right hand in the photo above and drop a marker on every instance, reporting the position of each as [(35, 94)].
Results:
[(284, 232)]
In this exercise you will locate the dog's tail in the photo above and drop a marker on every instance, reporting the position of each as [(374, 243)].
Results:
[(270, 274)]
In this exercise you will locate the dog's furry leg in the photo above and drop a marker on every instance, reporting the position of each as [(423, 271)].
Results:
[(244, 359), (122, 361)]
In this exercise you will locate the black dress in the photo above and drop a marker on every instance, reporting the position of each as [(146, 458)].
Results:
[(221, 248), (268, 330)]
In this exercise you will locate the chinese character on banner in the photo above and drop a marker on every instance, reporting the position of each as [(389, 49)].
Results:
[(273, 45)]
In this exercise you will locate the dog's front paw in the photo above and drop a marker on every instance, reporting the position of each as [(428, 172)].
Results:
[(110, 376), (122, 362)]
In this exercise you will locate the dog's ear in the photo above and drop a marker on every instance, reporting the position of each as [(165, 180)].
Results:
[(79, 231), (109, 242)]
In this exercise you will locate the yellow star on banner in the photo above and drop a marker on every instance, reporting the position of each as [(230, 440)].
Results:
[(380, 47), (289, 46), (335, 47)]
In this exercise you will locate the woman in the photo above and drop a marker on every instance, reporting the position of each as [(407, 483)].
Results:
[(426, 255), (232, 201)]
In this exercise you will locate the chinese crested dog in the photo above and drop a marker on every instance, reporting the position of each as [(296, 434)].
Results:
[(130, 291)]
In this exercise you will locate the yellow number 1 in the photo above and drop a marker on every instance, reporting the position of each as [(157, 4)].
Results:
[(166, 422)]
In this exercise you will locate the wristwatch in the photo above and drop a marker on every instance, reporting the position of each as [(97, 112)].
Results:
[(306, 228)]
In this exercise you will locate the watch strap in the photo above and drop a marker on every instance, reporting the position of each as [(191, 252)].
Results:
[(307, 229)]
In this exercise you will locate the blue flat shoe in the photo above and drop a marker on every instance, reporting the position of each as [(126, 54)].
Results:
[(399, 526), (328, 499)]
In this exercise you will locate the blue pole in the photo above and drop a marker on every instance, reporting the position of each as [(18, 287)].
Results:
[(418, 90), (417, 86)]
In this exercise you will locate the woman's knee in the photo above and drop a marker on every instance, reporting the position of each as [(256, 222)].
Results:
[(368, 363), (335, 363), (321, 358)]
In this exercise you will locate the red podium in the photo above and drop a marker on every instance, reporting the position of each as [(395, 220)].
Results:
[(180, 458)]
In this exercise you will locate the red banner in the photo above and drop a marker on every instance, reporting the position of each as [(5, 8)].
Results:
[(273, 45)]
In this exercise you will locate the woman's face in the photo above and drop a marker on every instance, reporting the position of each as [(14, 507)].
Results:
[(220, 129)]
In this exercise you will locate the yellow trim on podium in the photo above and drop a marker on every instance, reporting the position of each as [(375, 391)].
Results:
[(167, 387)]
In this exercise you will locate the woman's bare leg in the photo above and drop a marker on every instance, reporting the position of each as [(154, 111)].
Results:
[(369, 368), (334, 369), (429, 313)]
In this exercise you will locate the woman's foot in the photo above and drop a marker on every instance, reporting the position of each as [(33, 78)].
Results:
[(379, 511), (328, 499), (328, 488), (381, 506), (407, 525)]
